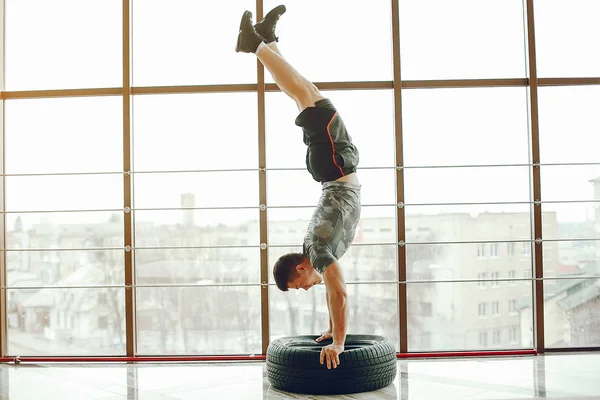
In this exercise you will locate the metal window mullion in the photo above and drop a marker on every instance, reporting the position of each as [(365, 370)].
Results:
[(400, 211), (336, 85), (228, 88), (127, 188), (538, 254), (3, 269), (262, 193), (57, 93), (3, 296), (279, 169), (568, 81)]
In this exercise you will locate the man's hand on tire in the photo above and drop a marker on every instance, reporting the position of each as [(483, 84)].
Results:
[(325, 335), (331, 353)]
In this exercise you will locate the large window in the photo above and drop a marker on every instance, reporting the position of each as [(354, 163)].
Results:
[(63, 44), (462, 39), (150, 180), (460, 315), (207, 131), (187, 42), (571, 220), (567, 33), (64, 226), (335, 40), (227, 322)]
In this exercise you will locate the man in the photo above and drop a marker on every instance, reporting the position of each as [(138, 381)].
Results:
[(331, 158)]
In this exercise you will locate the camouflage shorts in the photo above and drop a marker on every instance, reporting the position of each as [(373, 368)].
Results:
[(333, 225)]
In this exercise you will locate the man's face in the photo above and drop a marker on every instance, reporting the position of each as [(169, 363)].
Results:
[(307, 278)]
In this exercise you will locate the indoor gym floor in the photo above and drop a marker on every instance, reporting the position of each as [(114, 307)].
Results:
[(556, 376)]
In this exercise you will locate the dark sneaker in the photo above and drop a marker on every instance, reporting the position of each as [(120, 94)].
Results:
[(248, 39), (266, 27)]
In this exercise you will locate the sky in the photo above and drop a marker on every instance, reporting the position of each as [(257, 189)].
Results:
[(192, 42)]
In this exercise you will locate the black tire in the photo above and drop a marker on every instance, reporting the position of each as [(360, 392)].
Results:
[(367, 363)]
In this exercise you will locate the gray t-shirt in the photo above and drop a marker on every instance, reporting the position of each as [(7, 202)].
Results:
[(333, 224)]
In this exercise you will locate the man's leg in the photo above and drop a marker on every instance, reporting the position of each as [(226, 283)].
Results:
[(289, 80), (273, 46)]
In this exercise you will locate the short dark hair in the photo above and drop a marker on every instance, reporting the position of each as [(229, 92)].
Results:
[(285, 269)]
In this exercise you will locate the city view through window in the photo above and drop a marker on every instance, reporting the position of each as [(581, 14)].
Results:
[(466, 176)]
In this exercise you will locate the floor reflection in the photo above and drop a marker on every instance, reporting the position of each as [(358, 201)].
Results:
[(564, 376)]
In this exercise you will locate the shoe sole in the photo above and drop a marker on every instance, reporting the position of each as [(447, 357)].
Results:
[(277, 10), (246, 15)]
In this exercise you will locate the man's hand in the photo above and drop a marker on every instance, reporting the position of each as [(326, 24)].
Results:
[(331, 353), (325, 335)]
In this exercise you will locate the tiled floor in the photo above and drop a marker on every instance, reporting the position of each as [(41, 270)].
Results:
[(557, 376)]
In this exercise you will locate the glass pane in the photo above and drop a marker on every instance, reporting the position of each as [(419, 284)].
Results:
[(287, 226), (63, 44), (574, 224), (64, 230), (199, 320), (64, 268), (177, 52), (571, 220), (569, 183), (62, 322), (195, 131), (474, 126), (197, 266), (170, 190), (371, 263), (284, 142), (378, 188), (64, 192), (281, 185), (360, 263), (339, 49), (297, 312), (458, 316), (368, 116), (572, 112), (197, 228), (462, 185), (553, 262), (462, 39), (425, 224), (476, 261), (566, 34), (572, 312), (82, 134), (572, 257)]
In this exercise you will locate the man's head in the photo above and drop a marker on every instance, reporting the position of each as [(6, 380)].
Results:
[(294, 271)]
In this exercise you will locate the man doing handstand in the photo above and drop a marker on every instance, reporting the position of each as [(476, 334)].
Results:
[(331, 158)]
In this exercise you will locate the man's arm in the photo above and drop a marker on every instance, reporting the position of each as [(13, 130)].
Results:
[(337, 300), (327, 334), (328, 309)]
